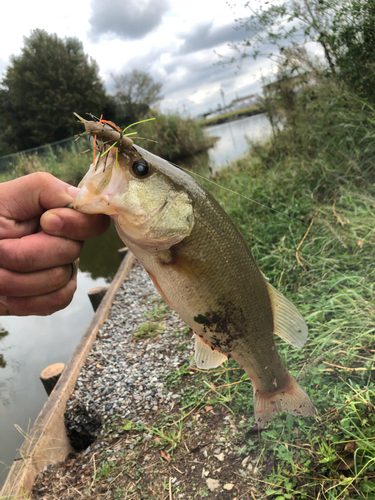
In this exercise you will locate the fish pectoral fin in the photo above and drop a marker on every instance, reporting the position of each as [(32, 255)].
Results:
[(205, 356), (288, 322), (290, 399)]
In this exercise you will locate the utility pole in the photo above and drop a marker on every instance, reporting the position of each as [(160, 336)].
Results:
[(222, 96)]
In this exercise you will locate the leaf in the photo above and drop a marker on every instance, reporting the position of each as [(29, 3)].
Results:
[(208, 408), (351, 446), (166, 456)]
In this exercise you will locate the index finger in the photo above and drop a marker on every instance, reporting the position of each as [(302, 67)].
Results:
[(29, 196)]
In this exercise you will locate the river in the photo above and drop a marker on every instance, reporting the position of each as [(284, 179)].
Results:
[(29, 344)]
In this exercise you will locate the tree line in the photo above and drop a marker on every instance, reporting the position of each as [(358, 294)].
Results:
[(51, 78)]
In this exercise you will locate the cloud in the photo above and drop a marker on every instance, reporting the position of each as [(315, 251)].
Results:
[(3, 67), (206, 36), (191, 74), (130, 20)]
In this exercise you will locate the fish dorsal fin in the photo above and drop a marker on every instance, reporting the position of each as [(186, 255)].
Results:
[(287, 320), (205, 356)]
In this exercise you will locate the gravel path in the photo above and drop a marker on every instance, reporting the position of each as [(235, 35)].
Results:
[(123, 375)]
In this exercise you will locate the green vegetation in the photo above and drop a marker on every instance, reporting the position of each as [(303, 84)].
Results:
[(158, 313), (136, 92), (148, 330), (67, 165), (175, 137)]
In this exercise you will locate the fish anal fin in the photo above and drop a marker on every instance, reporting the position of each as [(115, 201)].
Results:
[(290, 399), (205, 356), (288, 322)]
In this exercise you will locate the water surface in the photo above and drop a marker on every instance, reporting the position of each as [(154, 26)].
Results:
[(235, 138)]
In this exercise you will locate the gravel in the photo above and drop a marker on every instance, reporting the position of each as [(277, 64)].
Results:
[(124, 375)]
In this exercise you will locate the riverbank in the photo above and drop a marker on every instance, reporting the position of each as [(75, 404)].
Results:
[(232, 115)]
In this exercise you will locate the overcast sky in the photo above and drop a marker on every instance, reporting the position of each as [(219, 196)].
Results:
[(173, 40)]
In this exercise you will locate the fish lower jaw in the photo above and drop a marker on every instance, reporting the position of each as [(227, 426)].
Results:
[(93, 205)]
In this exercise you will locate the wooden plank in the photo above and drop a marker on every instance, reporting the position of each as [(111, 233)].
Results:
[(47, 442)]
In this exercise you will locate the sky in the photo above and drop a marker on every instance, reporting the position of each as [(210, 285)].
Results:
[(173, 40)]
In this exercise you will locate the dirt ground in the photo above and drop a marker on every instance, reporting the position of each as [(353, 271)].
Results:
[(199, 457)]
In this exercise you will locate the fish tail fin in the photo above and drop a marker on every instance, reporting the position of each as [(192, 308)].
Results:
[(290, 399)]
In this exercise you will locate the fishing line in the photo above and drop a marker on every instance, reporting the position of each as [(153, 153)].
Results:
[(241, 195)]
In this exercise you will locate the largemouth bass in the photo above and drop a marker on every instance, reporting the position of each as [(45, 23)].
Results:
[(202, 266)]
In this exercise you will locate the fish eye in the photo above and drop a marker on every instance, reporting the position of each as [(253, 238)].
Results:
[(140, 168)]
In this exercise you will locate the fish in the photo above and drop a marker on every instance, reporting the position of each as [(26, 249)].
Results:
[(201, 265)]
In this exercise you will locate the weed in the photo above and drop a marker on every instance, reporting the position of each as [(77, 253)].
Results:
[(182, 347), (148, 330), (169, 437), (158, 313), (119, 494), (107, 469), (128, 425)]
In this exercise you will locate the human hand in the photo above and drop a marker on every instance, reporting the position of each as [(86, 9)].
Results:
[(39, 241)]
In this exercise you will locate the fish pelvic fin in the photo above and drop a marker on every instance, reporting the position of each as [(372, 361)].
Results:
[(290, 399), (288, 322), (205, 356)]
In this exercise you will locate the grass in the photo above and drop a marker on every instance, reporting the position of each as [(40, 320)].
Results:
[(67, 165), (148, 330), (159, 312)]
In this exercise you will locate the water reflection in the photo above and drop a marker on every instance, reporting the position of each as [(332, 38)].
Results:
[(99, 257), (34, 343), (236, 138), (3, 333)]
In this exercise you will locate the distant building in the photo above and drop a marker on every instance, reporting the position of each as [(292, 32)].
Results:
[(236, 105)]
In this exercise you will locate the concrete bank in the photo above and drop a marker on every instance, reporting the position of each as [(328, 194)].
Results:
[(47, 442)]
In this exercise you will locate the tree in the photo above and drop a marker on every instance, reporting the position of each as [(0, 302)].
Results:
[(345, 29), (136, 92), (44, 85), (286, 24), (353, 42)]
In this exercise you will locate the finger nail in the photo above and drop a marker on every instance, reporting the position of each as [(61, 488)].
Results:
[(74, 270), (51, 223), (72, 191)]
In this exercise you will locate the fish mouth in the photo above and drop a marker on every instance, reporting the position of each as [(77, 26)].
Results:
[(89, 203)]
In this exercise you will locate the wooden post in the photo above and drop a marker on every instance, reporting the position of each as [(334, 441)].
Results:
[(123, 251), (96, 295), (51, 375)]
